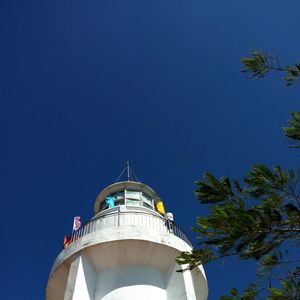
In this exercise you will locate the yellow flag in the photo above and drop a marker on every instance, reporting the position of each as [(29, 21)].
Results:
[(160, 207)]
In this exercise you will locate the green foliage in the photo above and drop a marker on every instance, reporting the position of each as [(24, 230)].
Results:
[(276, 294), (191, 259), (257, 218), (293, 131), (249, 294), (259, 64), (250, 219), (236, 225), (234, 292), (270, 260), (289, 291)]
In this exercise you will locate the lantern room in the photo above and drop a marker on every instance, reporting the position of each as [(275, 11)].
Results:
[(128, 193)]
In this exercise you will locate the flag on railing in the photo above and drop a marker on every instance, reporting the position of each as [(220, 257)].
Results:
[(110, 201), (160, 207), (76, 223), (67, 241)]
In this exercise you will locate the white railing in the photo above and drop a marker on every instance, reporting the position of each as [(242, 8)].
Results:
[(130, 218)]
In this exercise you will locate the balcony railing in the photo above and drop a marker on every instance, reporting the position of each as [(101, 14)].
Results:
[(131, 218)]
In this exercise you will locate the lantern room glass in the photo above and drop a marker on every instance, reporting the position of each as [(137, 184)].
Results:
[(130, 198)]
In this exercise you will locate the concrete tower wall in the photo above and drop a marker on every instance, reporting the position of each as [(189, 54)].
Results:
[(130, 283), (81, 280)]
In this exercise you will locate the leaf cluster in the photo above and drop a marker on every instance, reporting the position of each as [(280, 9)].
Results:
[(250, 220), (258, 217), (259, 64), (293, 130), (289, 290)]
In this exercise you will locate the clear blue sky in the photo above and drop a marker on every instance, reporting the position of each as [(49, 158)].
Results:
[(86, 85)]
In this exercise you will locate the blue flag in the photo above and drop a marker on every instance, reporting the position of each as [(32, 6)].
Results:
[(110, 201)]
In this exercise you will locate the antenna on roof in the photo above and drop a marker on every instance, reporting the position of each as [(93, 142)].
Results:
[(128, 171), (130, 174)]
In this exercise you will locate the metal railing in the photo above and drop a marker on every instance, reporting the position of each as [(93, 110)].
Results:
[(131, 218)]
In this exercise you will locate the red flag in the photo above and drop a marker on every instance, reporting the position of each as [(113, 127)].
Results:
[(76, 223), (67, 241)]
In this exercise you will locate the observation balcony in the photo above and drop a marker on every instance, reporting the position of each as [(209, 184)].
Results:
[(125, 223), (123, 216)]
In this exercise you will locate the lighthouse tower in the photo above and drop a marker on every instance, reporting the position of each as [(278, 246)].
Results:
[(126, 251)]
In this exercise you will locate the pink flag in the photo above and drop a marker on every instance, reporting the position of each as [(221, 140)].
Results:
[(76, 223)]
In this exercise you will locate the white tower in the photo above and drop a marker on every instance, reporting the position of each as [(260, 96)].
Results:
[(126, 251)]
